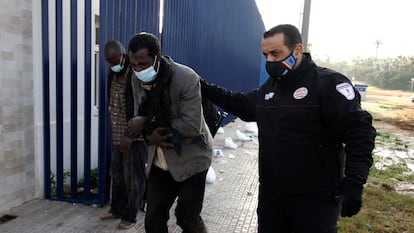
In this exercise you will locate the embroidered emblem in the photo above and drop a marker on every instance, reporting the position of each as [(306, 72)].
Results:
[(300, 93), (269, 95), (346, 90)]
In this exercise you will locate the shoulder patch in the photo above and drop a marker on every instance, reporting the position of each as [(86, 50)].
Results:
[(346, 90)]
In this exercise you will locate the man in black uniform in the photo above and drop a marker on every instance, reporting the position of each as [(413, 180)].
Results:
[(305, 114)]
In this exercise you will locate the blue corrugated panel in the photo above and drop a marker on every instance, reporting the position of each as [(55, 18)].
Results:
[(119, 20), (125, 18), (221, 40)]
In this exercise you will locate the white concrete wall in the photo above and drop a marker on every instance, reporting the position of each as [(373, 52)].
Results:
[(17, 159), (21, 96)]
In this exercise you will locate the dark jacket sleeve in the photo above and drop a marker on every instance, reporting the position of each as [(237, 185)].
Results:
[(351, 125), (235, 103)]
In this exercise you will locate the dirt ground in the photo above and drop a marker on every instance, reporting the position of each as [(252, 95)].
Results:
[(393, 107)]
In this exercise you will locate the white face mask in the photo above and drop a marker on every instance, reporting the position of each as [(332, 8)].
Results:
[(119, 67), (149, 74)]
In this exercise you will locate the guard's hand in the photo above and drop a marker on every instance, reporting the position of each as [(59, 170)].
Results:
[(352, 197), (135, 126), (159, 139), (125, 144)]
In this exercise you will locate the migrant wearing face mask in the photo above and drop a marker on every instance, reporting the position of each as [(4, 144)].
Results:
[(149, 74), (278, 69), (119, 67)]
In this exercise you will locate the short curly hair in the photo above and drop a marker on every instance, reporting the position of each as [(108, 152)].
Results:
[(144, 40)]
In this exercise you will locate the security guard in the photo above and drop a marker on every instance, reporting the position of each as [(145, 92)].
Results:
[(305, 114)]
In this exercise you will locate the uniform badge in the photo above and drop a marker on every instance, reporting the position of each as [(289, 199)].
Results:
[(346, 90), (300, 93)]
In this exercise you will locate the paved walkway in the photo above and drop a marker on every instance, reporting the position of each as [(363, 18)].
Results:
[(229, 205)]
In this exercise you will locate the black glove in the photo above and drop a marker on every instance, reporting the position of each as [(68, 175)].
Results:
[(352, 197)]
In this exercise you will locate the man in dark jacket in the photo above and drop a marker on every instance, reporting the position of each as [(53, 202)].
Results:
[(129, 152), (305, 114)]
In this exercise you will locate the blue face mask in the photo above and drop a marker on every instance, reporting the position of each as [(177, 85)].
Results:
[(149, 74), (119, 67)]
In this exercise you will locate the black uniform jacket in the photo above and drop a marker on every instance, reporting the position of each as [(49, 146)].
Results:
[(304, 119)]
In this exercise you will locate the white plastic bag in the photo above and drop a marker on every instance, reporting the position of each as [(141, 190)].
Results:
[(211, 176), (228, 142), (251, 127), (243, 137)]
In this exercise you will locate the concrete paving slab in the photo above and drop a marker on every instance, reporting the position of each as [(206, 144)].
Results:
[(229, 205)]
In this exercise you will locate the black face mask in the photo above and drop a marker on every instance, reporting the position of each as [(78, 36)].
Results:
[(279, 68)]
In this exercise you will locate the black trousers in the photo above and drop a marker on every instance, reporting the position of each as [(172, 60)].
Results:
[(162, 190), (305, 213), (128, 180)]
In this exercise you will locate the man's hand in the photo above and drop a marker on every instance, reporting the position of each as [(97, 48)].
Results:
[(352, 197), (135, 126), (158, 138), (124, 144)]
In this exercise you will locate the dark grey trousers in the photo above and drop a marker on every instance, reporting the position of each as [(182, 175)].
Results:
[(128, 180), (163, 191)]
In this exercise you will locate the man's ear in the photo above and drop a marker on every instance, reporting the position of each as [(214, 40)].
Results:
[(298, 50)]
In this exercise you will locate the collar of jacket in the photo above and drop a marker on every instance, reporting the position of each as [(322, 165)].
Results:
[(163, 72), (298, 73)]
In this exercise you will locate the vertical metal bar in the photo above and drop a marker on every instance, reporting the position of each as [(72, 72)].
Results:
[(156, 19), (74, 99), (102, 145), (88, 66), (129, 23), (122, 15), (112, 19), (46, 96), (134, 21), (59, 100), (305, 24)]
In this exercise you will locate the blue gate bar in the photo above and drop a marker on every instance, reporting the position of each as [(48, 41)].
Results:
[(134, 19), (46, 100), (87, 118), (59, 101), (129, 23), (102, 151), (122, 14), (112, 10), (74, 99)]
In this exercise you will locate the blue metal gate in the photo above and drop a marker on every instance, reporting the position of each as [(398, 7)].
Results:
[(68, 141), (217, 38)]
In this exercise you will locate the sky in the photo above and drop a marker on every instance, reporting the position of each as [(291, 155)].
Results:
[(344, 29)]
